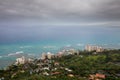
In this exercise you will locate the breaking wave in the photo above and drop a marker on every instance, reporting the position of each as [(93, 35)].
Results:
[(79, 44), (49, 47), (25, 46), (16, 53), (1, 56)]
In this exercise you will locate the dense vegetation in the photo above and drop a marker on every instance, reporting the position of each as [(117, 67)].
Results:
[(82, 65), (107, 62)]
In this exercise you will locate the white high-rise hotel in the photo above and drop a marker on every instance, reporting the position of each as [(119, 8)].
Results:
[(48, 55), (93, 48), (21, 60)]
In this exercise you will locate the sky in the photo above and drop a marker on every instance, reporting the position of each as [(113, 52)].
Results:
[(23, 20)]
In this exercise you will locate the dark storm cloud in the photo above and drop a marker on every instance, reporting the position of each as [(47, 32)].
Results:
[(28, 20), (60, 10)]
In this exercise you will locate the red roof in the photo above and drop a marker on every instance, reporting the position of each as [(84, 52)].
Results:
[(100, 76), (55, 73)]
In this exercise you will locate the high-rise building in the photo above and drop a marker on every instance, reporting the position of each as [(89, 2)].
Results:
[(93, 48), (49, 55), (44, 56), (21, 60)]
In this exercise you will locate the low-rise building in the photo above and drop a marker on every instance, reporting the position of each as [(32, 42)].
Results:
[(56, 64), (97, 76), (55, 73), (70, 75), (59, 54)]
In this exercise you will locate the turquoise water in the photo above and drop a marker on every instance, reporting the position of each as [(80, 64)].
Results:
[(9, 52), (78, 38)]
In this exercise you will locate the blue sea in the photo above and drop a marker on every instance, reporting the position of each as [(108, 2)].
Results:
[(9, 52), (55, 41)]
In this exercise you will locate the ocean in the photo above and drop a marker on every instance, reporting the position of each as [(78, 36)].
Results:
[(58, 40), (9, 52)]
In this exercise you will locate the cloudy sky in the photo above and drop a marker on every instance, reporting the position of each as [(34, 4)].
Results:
[(30, 19)]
